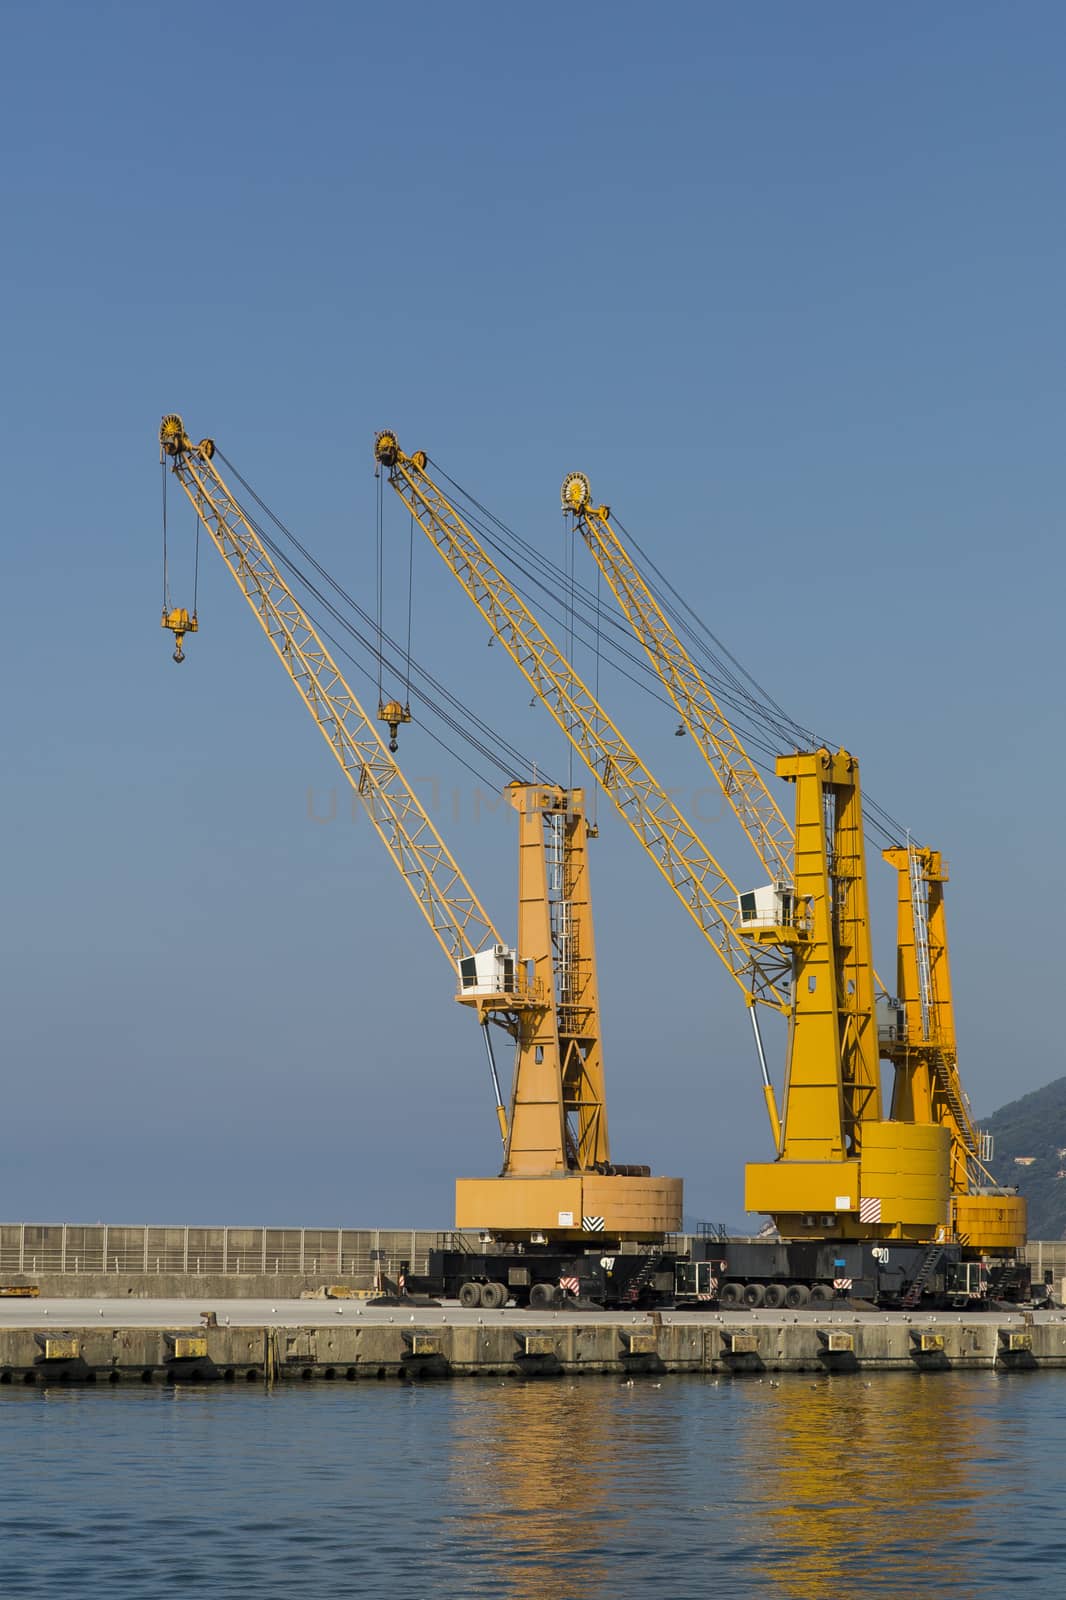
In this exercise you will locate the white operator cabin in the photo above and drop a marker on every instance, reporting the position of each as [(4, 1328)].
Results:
[(769, 906), (491, 971)]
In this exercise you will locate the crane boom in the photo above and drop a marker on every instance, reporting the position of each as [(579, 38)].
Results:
[(737, 775), (700, 883), (769, 831), (459, 922)]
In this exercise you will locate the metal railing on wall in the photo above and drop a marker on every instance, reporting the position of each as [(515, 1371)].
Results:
[(27, 1247)]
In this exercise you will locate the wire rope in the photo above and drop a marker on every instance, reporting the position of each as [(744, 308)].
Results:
[(166, 578), (378, 563), (761, 720), (196, 567), (410, 599), (492, 747)]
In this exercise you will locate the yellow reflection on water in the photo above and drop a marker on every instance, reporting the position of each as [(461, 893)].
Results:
[(850, 1475), (793, 1487), (534, 1479)]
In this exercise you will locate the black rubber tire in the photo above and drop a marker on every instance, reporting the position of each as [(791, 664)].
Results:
[(494, 1295), (470, 1295), (754, 1295), (774, 1296), (731, 1294), (822, 1293), (542, 1295), (796, 1295)]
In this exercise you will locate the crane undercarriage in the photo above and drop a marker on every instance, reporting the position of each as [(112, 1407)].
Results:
[(721, 1273)]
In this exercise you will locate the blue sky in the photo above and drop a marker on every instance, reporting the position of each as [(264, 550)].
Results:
[(785, 281)]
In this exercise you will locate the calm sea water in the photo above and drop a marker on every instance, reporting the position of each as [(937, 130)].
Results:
[(946, 1484)]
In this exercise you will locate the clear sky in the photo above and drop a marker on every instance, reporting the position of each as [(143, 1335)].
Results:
[(785, 280)]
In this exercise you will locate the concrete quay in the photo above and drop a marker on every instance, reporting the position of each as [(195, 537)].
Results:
[(114, 1342)]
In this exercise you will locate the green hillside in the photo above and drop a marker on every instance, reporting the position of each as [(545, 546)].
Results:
[(1030, 1153)]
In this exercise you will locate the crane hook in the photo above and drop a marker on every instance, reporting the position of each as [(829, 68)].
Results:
[(180, 623), (393, 713)]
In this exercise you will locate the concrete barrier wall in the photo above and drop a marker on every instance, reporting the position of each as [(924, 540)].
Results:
[(521, 1349)]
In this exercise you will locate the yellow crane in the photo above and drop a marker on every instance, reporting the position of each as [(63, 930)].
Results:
[(832, 1148), (921, 1048), (557, 1179), (843, 1171)]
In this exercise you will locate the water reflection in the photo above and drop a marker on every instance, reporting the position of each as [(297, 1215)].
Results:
[(535, 1480), (795, 1488), (852, 1477), (945, 1485)]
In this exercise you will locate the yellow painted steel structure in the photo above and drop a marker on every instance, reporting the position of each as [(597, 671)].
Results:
[(699, 881), (179, 622), (928, 1088), (558, 1179), (739, 779), (833, 1086), (556, 1142), (458, 920), (558, 1118), (842, 1171), (737, 776), (571, 1207)]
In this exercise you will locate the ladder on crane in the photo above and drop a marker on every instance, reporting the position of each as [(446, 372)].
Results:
[(929, 1263), (921, 937)]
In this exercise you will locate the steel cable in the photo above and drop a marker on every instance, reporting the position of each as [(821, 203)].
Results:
[(505, 757), (762, 722)]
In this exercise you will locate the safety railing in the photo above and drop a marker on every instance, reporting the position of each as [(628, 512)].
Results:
[(37, 1248)]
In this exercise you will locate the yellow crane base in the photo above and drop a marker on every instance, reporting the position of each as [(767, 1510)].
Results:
[(991, 1224), (899, 1189), (577, 1207)]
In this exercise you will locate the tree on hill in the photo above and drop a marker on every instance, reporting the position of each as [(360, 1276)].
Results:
[(1030, 1154)]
